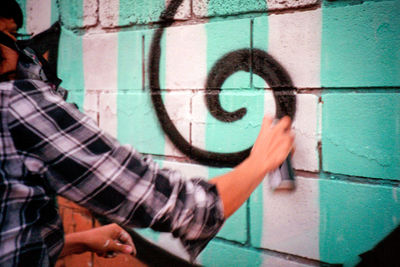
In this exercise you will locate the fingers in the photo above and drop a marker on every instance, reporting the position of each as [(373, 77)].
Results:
[(114, 246), (125, 238), (122, 241)]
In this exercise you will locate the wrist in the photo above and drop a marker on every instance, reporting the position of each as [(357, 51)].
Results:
[(75, 243), (255, 168)]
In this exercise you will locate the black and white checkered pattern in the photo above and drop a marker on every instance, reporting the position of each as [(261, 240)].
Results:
[(48, 147)]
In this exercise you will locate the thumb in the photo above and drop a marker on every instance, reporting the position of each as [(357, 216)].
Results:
[(116, 246)]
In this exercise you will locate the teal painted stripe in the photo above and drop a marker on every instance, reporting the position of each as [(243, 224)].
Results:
[(71, 12), (137, 122), (140, 12), (222, 7), (224, 37), (360, 44), (354, 218), (22, 4), (233, 228), (54, 12), (70, 66), (260, 40), (225, 254), (361, 134)]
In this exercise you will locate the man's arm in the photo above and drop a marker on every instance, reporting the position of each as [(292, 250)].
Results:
[(89, 167)]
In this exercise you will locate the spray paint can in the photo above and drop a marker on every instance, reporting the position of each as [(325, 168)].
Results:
[(283, 176)]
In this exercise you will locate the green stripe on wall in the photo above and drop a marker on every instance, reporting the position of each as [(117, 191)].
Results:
[(22, 4), (237, 92), (354, 218), (54, 12), (360, 44), (70, 66)]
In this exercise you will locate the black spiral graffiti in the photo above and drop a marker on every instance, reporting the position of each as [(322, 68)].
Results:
[(255, 60)]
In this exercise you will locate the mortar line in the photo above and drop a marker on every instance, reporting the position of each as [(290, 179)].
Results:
[(278, 254), (251, 52), (143, 64)]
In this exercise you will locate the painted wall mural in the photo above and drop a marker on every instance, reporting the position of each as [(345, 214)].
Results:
[(255, 60), (188, 82)]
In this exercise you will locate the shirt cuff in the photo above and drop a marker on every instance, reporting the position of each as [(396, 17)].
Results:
[(212, 225)]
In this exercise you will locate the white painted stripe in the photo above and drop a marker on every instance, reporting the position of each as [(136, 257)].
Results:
[(183, 11), (307, 136), (90, 14), (38, 15), (100, 58), (284, 4), (295, 41), (186, 69), (186, 57), (291, 219), (109, 13)]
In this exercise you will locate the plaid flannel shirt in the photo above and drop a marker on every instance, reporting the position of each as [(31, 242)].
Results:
[(48, 147)]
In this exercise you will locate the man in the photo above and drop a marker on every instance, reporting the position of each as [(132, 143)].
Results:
[(48, 147)]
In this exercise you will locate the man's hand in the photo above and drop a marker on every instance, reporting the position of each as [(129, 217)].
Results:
[(106, 241), (273, 144), (271, 148)]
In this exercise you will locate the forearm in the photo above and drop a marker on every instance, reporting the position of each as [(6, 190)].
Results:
[(235, 187)]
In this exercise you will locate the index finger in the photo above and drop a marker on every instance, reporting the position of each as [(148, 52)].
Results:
[(284, 124)]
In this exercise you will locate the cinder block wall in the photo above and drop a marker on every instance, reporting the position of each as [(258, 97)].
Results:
[(343, 58)]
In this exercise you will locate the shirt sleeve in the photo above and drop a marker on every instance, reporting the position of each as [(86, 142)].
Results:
[(84, 164)]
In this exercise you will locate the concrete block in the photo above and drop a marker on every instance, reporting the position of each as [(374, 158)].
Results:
[(108, 117), (360, 44), (286, 221), (71, 58), (78, 13), (360, 130), (40, 15), (178, 107), (307, 133), (91, 105), (294, 41), (109, 13), (210, 8), (132, 63), (100, 72), (286, 4), (184, 11), (223, 38), (138, 124), (199, 116), (143, 12), (186, 57), (193, 50), (354, 218)]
